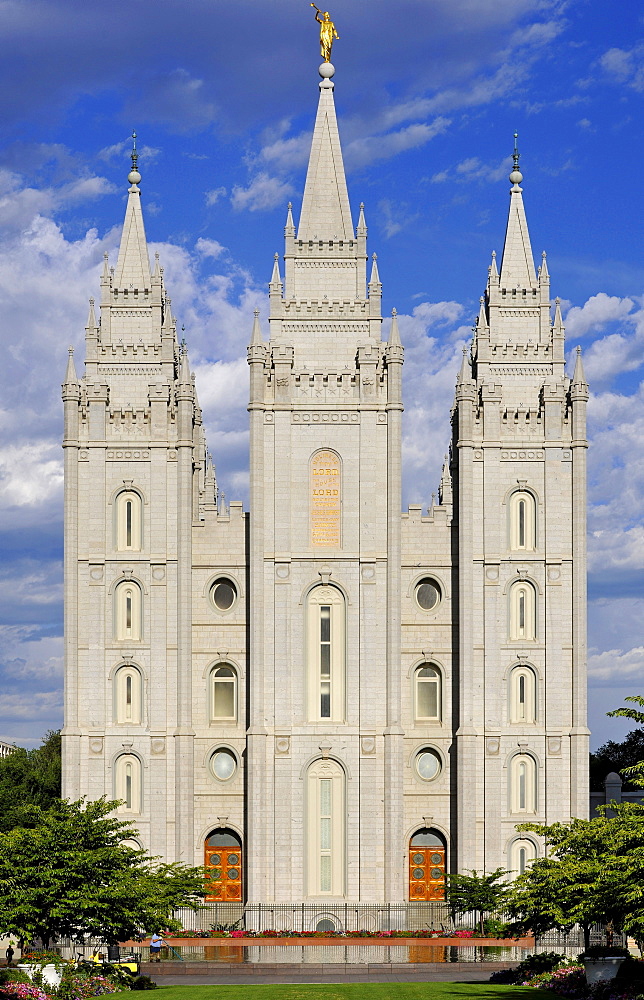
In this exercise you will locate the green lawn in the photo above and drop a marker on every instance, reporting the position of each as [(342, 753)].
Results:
[(352, 991)]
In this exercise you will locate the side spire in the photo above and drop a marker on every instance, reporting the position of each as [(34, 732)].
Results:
[(133, 266), (71, 378), (579, 376), (517, 266), (326, 213)]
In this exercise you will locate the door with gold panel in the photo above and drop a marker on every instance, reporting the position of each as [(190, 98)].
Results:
[(427, 866), (223, 864)]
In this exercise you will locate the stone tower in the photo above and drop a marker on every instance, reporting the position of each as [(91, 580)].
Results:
[(324, 744), (519, 463), (134, 478)]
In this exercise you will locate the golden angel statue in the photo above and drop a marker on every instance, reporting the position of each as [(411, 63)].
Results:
[(327, 32)]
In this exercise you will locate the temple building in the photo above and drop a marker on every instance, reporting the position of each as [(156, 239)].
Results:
[(325, 698)]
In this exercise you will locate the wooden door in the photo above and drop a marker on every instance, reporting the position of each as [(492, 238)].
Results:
[(223, 874), (427, 873)]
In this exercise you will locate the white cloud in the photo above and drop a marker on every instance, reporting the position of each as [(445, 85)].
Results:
[(595, 313), (616, 665), (262, 194), (625, 66), (473, 169), (212, 197), (364, 151), (209, 248)]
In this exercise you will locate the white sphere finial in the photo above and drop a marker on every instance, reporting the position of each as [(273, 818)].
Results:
[(326, 70)]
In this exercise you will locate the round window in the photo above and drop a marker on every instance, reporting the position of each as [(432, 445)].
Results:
[(428, 594), (223, 764), (428, 764), (224, 594)]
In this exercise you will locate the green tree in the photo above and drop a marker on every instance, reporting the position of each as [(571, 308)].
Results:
[(68, 874), (612, 756), (479, 894), (594, 873), (635, 771), (29, 777)]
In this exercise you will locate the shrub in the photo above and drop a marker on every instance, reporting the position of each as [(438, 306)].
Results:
[(143, 983), (532, 965), (14, 976)]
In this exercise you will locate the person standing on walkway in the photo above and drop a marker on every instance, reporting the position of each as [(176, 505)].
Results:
[(9, 953), (155, 947)]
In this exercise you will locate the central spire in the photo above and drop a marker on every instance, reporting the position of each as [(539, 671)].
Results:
[(326, 213), (133, 265), (517, 267)]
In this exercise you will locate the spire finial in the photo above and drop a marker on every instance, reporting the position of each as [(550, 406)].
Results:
[(134, 177), (516, 176)]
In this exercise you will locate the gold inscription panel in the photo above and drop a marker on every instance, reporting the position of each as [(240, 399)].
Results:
[(326, 500)]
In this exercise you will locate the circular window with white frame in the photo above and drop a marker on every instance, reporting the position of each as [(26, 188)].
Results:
[(428, 594), (223, 594), (428, 764), (223, 764)]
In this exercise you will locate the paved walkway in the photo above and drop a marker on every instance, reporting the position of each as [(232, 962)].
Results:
[(222, 973)]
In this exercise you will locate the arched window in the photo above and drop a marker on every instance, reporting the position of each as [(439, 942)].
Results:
[(223, 863), (523, 521), (427, 690), (523, 784), (523, 694), (326, 654), (129, 521), (128, 785), (128, 695), (127, 608), (523, 611), (223, 692), (522, 853), (427, 865), (325, 834)]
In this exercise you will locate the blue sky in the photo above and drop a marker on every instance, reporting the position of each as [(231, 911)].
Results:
[(222, 95)]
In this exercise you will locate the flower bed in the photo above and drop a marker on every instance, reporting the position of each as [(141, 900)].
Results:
[(458, 935)]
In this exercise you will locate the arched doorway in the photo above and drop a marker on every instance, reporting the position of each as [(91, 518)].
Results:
[(427, 865), (223, 863)]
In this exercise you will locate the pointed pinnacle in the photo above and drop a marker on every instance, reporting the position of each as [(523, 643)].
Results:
[(276, 277), (362, 225), (558, 320), (70, 374), (256, 334), (91, 318), (375, 275), (481, 323), (184, 367), (394, 332), (289, 228), (579, 377), (465, 374)]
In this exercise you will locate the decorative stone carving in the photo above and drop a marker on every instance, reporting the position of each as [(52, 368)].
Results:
[(368, 745), (492, 746), (554, 745), (157, 745), (282, 746), (96, 744)]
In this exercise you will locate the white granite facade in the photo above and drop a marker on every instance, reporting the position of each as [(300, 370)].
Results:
[(323, 729)]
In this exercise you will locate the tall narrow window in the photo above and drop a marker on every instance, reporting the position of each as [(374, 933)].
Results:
[(523, 695), (325, 838), (523, 521), (523, 784), (427, 683), (326, 654), (127, 608), (522, 853), (128, 695), (522, 611), (128, 783), (223, 692), (128, 523), (325, 662)]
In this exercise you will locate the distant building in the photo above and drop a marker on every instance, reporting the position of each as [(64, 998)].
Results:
[(327, 698), (6, 749), (613, 793)]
